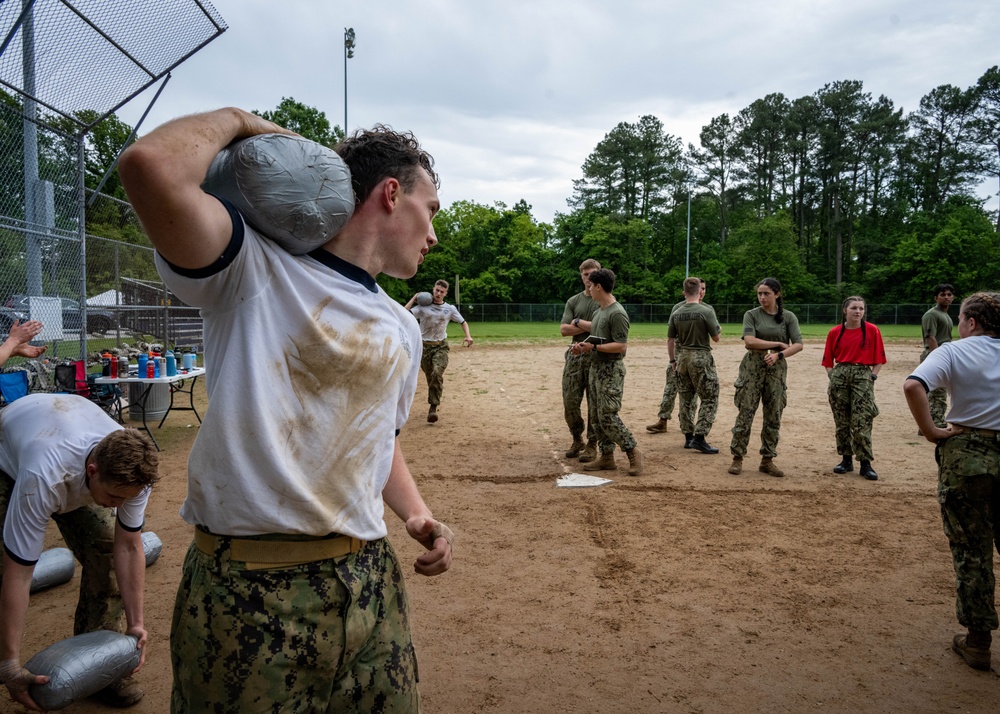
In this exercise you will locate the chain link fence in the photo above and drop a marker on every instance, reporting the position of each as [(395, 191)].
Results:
[(84, 270), (808, 314)]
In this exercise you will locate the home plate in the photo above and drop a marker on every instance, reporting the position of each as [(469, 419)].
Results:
[(580, 481)]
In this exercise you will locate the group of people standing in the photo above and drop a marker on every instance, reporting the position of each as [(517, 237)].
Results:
[(853, 357), (967, 441)]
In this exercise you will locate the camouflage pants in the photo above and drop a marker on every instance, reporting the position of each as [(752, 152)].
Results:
[(669, 393), (89, 533), (969, 494), (697, 378), (852, 399), (759, 384), (434, 362), (576, 374), (607, 383), (327, 636), (938, 400)]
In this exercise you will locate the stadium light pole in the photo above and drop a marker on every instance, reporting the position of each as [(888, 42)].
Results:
[(687, 259), (348, 54)]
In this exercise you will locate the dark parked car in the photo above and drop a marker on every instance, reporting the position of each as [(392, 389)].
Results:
[(98, 319)]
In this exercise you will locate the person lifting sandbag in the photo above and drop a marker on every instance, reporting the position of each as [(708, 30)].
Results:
[(81, 666), (295, 191)]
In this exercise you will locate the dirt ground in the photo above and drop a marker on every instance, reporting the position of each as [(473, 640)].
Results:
[(683, 590)]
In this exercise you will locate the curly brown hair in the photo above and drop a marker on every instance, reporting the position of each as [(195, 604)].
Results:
[(379, 153), (984, 308), (127, 457)]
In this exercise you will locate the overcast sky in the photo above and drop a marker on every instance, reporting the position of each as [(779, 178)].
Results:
[(510, 96)]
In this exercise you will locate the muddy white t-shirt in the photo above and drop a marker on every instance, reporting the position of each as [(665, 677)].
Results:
[(310, 370), (44, 443), (434, 320)]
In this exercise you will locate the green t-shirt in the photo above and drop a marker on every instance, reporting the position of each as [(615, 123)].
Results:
[(610, 323), (580, 305), (693, 326), (936, 323), (759, 324)]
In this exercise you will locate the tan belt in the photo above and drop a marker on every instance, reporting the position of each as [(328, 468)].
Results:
[(262, 554), (988, 433), (771, 351)]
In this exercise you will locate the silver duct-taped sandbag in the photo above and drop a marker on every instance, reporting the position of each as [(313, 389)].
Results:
[(294, 191), (80, 666), (54, 567), (425, 299), (152, 546)]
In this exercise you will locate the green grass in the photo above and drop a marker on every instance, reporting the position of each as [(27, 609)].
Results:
[(547, 332)]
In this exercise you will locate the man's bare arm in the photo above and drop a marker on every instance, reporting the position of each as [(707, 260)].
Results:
[(162, 175)]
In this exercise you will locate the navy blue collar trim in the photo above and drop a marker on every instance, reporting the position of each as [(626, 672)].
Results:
[(348, 270)]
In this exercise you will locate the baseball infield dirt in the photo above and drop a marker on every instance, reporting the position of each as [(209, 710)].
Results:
[(683, 590)]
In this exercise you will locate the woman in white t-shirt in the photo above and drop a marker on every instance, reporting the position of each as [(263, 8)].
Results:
[(968, 456)]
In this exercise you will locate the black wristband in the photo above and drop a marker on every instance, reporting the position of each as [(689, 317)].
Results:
[(781, 355), (874, 377)]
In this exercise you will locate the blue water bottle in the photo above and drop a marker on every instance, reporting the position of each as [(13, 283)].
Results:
[(171, 364), (188, 361), (143, 359), (156, 367)]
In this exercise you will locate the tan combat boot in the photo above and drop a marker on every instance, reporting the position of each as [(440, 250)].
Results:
[(574, 450), (736, 468), (605, 462), (767, 466), (589, 453), (658, 428), (634, 462), (974, 648)]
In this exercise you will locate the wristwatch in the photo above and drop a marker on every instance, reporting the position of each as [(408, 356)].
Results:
[(576, 322), (874, 377)]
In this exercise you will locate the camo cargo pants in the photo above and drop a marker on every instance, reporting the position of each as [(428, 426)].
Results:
[(89, 533), (852, 398), (607, 383), (327, 636), (576, 374), (938, 400), (697, 378), (434, 362), (759, 384), (969, 494), (669, 393)]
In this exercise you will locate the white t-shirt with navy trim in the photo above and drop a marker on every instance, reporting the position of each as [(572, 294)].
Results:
[(310, 371), (434, 320), (45, 440), (970, 370)]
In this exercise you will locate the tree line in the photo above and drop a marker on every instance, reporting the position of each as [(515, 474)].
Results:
[(833, 193)]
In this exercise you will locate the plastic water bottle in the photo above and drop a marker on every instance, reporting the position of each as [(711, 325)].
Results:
[(188, 361), (113, 366), (156, 367), (143, 360), (105, 365), (171, 364), (150, 369)]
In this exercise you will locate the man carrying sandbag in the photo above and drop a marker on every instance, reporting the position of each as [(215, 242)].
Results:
[(292, 597), (63, 458)]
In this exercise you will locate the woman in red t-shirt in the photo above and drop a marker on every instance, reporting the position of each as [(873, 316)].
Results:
[(853, 356)]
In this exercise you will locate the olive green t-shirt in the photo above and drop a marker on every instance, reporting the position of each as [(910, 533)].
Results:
[(759, 324), (693, 326), (936, 323), (610, 323), (580, 306)]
